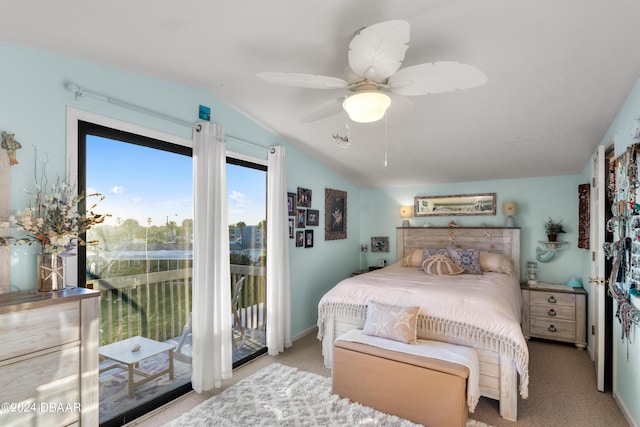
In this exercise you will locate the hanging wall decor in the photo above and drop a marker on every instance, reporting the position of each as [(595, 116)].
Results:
[(5, 211), (584, 191), (335, 208), (379, 244), (11, 145), (624, 224)]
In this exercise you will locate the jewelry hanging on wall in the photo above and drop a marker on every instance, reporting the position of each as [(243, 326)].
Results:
[(624, 183)]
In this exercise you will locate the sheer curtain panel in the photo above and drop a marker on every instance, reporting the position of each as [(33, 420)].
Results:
[(278, 282), (212, 350)]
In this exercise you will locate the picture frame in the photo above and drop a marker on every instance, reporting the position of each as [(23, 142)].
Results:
[(379, 244), (299, 239), (308, 238), (455, 205), (335, 219), (291, 203), (304, 197), (301, 218), (313, 217), (292, 225)]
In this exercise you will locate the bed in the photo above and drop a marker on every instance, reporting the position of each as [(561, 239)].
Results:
[(479, 311)]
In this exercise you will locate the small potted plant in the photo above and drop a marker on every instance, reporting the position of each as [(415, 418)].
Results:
[(553, 228)]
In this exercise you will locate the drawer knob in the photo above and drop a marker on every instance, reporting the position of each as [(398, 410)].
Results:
[(551, 299), (552, 312), (552, 329)]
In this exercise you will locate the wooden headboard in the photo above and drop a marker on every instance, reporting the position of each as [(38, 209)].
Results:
[(493, 239)]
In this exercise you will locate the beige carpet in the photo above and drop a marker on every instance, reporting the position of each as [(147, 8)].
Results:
[(280, 395), (562, 390)]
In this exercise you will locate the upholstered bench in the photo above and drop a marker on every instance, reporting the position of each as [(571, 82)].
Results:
[(424, 390)]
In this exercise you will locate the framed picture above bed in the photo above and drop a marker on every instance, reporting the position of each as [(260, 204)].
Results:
[(335, 220), (462, 204)]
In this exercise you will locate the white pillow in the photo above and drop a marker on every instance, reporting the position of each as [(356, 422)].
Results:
[(413, 259), (497, 263)]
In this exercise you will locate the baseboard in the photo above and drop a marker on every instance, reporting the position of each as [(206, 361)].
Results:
[(625, 411), (296, 337)]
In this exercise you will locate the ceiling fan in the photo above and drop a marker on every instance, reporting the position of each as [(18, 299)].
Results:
[(375, 56)]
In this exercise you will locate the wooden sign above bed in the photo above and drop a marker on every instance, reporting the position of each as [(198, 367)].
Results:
[(493, 239)]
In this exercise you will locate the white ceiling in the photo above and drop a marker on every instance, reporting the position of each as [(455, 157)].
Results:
[(558, 71)]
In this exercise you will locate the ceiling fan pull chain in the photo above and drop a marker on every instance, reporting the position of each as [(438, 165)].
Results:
[(385, 140)]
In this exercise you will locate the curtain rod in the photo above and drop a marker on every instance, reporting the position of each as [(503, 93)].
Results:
[(80, 92), (243, 141)]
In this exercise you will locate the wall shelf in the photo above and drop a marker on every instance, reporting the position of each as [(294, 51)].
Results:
[(554, 246)]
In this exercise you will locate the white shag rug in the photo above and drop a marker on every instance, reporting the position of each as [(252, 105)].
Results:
[(280, 395)]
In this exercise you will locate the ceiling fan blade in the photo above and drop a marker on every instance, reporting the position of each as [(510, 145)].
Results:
[(377, 51), (329, 108), (439, 77), (310, 81)]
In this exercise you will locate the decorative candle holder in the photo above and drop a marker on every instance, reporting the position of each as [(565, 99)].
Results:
[(532, 269), (363, 256)]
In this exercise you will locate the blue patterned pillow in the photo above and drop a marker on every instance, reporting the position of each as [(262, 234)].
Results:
[(429, 252), (467, 259)]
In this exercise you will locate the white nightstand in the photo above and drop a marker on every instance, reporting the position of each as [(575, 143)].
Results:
[(554, 312)]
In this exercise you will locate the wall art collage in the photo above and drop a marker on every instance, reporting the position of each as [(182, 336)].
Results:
[(301, 216)]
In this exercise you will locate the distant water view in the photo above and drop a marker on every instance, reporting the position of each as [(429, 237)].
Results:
[(142, 255), (167, 254)]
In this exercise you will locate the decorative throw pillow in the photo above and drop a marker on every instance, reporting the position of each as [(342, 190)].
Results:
[(441, 265), (498, 263), (413, 259), (468, 259), (394, 322), (427, 252)]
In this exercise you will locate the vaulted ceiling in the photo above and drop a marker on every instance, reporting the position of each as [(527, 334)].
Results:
[(558, 71)]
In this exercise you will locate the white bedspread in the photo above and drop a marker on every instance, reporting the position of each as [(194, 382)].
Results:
[(481, 311), (465, 356)]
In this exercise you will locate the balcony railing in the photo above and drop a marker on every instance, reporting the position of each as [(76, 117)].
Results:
[(157, 304)]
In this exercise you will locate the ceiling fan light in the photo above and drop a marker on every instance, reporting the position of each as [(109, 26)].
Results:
[(366, 106)]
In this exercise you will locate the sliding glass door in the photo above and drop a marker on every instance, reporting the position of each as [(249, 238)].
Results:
[(142, 265), (247, 185)]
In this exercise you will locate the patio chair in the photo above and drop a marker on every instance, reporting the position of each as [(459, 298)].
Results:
[(179, 354), (237, 321)]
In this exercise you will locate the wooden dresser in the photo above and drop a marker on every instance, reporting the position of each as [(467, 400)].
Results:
[(49, 358), (555, 312)]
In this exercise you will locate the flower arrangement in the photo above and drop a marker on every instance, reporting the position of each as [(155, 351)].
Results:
[(53, 220)]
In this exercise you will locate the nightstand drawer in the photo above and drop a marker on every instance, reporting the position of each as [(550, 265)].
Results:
[(547, 298), (562, 330), (548, 311)]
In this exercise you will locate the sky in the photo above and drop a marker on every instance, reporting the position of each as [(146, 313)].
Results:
[(140, 183)]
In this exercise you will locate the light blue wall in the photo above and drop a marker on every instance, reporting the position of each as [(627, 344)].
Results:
[(626, 364), (537, 199), (33, 106)]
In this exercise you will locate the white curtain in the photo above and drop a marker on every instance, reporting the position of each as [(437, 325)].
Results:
[(212, 349), (278, 282)]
